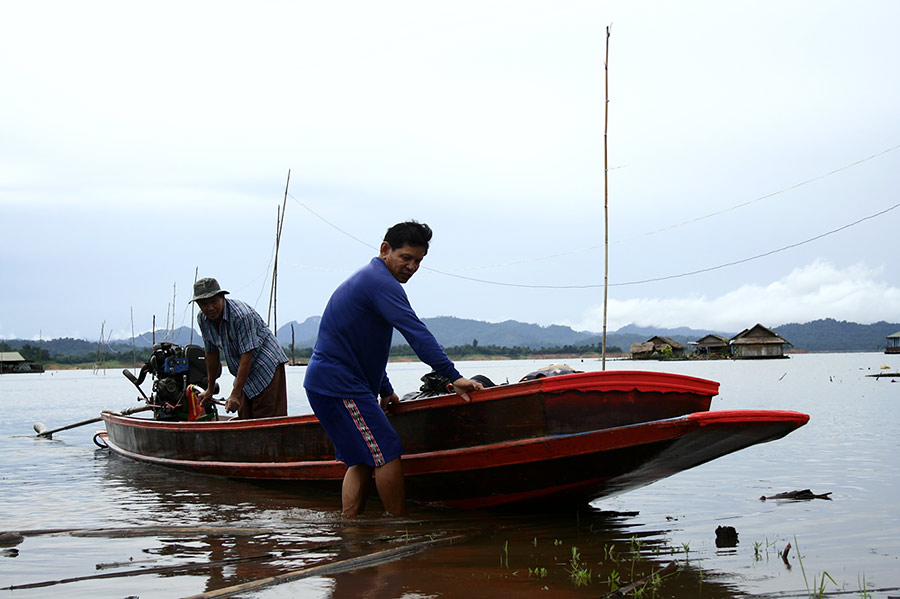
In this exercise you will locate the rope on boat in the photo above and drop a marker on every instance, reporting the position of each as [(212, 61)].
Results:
[(99, 441)]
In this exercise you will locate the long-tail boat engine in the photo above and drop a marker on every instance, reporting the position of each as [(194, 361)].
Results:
[(179, 375)]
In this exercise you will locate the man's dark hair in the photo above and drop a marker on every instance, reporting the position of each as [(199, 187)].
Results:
[(411, 233)]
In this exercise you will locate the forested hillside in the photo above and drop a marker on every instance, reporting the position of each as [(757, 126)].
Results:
[(837, 335), (819, 335)]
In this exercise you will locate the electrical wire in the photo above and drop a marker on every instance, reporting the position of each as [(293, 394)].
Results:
[(687, 222), (678, 276)]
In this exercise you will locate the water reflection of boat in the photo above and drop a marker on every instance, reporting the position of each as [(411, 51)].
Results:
[(572, 437)]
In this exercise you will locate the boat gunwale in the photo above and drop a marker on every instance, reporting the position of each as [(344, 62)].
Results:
[(515, 452), (594, 381)]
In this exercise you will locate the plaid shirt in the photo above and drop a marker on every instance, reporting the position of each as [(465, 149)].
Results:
[(242, 330)]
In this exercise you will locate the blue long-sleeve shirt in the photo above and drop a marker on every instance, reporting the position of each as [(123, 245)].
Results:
[(354, 340)]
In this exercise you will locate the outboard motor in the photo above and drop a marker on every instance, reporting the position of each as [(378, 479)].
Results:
[(174, 369)]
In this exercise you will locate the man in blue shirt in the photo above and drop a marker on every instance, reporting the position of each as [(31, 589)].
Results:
[(252, 353), (346, 373)]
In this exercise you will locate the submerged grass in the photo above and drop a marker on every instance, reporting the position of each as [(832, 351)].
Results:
[(818, 588), (578, 570), (588, 558)]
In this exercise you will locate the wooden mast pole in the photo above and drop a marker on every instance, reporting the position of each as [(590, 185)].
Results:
[(273, 296), (133, 348), (196, 272), (605, 198)]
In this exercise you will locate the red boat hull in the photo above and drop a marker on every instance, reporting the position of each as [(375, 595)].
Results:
[(571, 437)]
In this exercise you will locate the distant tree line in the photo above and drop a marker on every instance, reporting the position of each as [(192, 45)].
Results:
[(30, 353), (121, 357), (474, 349), (36, 354), (457, 352)]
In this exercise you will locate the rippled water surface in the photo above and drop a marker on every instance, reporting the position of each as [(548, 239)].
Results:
[(77, 522)]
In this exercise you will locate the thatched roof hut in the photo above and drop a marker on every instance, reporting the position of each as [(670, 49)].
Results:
[(712, 345), (758, 342), (655, 348)]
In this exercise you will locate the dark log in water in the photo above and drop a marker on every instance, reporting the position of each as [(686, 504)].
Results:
[(363, 561), (798, 495)]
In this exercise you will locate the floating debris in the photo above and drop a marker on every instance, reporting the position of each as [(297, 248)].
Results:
[(10, 539), (798, 495), (726, 536)]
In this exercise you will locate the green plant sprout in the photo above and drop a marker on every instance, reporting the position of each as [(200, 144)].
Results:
[(577, 569), (818, 590)]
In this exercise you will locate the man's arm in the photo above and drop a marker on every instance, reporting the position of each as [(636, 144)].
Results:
[(395, 308), (233, 403), (213, 369)]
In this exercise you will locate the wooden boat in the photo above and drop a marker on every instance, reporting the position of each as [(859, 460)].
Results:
[(572, 438), (881, 375)]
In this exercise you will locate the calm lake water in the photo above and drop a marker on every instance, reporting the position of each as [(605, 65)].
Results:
[(94, 525)]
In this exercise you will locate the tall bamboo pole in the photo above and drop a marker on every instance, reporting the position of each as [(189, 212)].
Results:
[(272, 284), (196, 272), (605, 197), (273, 295), (173, 311), (99, 348), (133, 348)]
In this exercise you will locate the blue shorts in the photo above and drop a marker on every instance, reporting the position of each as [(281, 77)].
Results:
[(358, 428)]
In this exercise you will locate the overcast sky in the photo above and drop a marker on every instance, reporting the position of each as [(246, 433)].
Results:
[(753, 152)]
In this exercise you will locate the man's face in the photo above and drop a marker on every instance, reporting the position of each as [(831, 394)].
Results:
[(404, 261), (212, 307)]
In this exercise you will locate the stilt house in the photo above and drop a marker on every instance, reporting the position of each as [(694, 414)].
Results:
[(758, 342), (655, 348), (712, 345), (12, 361), (893, 344)]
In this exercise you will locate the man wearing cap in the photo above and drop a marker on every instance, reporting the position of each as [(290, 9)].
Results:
[(252, 353), (346, 373)]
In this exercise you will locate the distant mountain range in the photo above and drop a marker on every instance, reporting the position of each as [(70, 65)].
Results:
[(819, 335)]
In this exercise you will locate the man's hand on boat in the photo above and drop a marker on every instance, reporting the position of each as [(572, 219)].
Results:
[(206, 397), (463, 386), (387, 401)]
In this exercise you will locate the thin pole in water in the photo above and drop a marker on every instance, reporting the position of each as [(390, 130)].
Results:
[(173, 311), (605, 198), (133, 348), (196, 272), (273, 295)]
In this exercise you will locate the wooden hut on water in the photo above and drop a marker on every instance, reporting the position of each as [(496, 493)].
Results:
[(12, 361), (758, 342), (656, 348), (893, 344), (712, 345)]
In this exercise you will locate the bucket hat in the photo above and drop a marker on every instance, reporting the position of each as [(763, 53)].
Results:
[(205, 288)]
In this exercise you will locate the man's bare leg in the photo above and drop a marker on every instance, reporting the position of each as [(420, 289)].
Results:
[(355, 489), (391, 489)]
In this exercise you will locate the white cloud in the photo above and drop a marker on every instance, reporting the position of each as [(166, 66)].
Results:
[(818, 290), (147, 146)]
